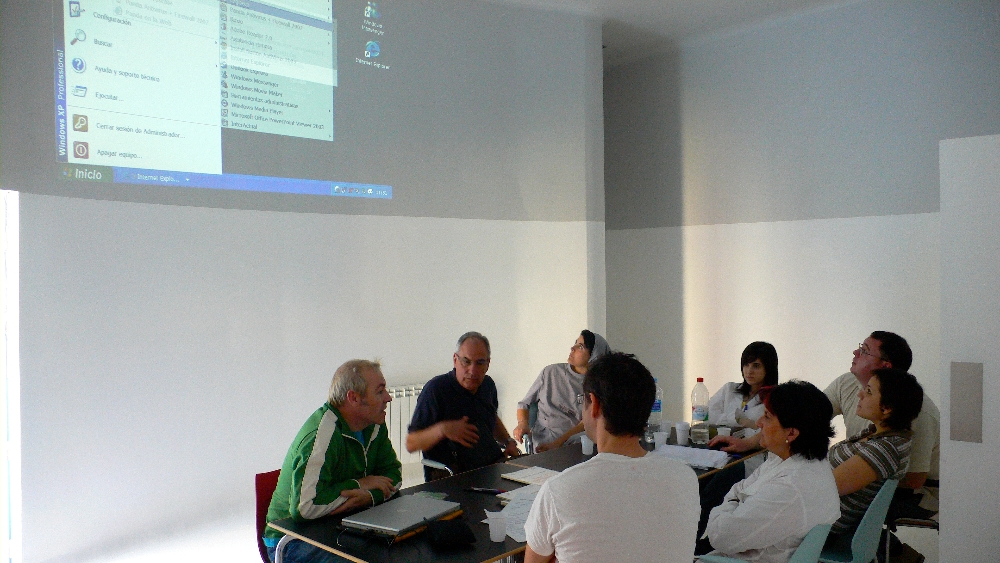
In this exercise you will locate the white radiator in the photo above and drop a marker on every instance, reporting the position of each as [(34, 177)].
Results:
[(398, 416)]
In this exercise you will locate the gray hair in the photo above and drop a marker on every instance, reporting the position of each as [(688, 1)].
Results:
[(477, 336), (350, 377)]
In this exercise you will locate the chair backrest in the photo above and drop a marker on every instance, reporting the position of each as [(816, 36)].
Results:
[(864, 545), (812, 545), (265, 483)]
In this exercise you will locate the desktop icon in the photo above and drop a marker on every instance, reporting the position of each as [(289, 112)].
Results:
[(79, 64), (80, 91), (225, 123), (225, 112), (78, 36), (371, 11), (372, 49), (80, 123), (225, 103), (81, 149), (224, 84), (74, 9)]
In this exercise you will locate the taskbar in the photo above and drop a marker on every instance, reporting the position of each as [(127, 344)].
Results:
[(241, 182)]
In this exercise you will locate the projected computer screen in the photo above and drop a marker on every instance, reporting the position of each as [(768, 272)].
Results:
[(193, 93)]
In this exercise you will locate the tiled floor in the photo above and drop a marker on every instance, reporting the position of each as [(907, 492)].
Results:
[(924, 541)]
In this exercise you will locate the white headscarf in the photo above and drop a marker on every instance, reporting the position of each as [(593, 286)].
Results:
[(601, 347)]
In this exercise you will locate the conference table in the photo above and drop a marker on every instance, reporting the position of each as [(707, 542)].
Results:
[(326, 533)]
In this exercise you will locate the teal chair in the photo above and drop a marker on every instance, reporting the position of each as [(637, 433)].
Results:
[(807, 552), (865, 542)]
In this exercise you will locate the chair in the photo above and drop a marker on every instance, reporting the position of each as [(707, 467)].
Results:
[(807, 552), (865, 542), (265, 484)]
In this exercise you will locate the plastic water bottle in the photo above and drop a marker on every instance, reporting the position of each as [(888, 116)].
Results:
[(699, 412), (529, 444), (655, 415)]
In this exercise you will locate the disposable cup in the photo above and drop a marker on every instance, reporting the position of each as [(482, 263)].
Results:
[(682, 429), (498, 526), (660, 438), (724, 430), (587, 444)]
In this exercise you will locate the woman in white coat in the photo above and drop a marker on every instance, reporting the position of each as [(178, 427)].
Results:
[(739, 404)]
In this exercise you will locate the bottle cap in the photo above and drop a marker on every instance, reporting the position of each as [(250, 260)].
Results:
[(701, 380)]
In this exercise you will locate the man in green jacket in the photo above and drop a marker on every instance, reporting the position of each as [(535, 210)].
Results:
[(340, 460)]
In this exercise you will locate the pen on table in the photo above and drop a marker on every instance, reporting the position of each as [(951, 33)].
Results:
[(485, 490)]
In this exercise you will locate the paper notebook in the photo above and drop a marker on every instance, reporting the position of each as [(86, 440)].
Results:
[(531, 475)]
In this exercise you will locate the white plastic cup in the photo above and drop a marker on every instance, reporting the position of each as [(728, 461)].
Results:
[(498, 525), (660, 438), (724, 431), (587, 444), (682, 429)]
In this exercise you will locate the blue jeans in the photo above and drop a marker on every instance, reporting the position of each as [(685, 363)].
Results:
[(297, 551)]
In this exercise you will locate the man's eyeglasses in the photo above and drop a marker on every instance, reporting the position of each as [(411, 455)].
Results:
[(864, 350), (466, 362)]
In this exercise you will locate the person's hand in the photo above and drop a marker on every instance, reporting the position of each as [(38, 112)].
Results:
[(384, 484), (731, 444), (520, 430), (545, 447), (460, 431), (356, 498), (511, 449)]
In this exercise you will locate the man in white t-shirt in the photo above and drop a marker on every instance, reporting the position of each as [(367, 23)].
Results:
[(623, 504)]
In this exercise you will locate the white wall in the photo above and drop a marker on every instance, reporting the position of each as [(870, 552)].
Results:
[(169, 353), (688, 299), (970, 330)]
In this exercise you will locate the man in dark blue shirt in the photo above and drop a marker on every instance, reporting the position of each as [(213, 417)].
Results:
[(456, 422)]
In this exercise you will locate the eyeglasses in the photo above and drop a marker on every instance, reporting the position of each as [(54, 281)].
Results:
[(580, 398), (864, 350), (466, 362)]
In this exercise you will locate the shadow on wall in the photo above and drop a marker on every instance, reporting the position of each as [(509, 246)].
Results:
[(643, 190)]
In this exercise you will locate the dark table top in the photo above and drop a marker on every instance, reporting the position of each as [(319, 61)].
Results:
[(568, 456), (325, 532)]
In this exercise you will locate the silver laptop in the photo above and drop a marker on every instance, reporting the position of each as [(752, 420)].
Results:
[(400, 515)]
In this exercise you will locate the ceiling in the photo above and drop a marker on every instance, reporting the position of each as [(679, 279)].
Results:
[(633, 28)]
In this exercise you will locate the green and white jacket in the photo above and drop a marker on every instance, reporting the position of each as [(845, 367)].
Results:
[(324, 459)]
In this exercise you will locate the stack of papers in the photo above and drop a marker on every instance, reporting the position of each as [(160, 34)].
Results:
[(695, 457), (531, 475), (526, 492)]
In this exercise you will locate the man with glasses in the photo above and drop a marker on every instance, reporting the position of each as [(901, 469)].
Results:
[(455, 421), (624, 504)]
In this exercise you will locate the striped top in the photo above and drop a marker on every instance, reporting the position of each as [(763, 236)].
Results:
[(887, 454)]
